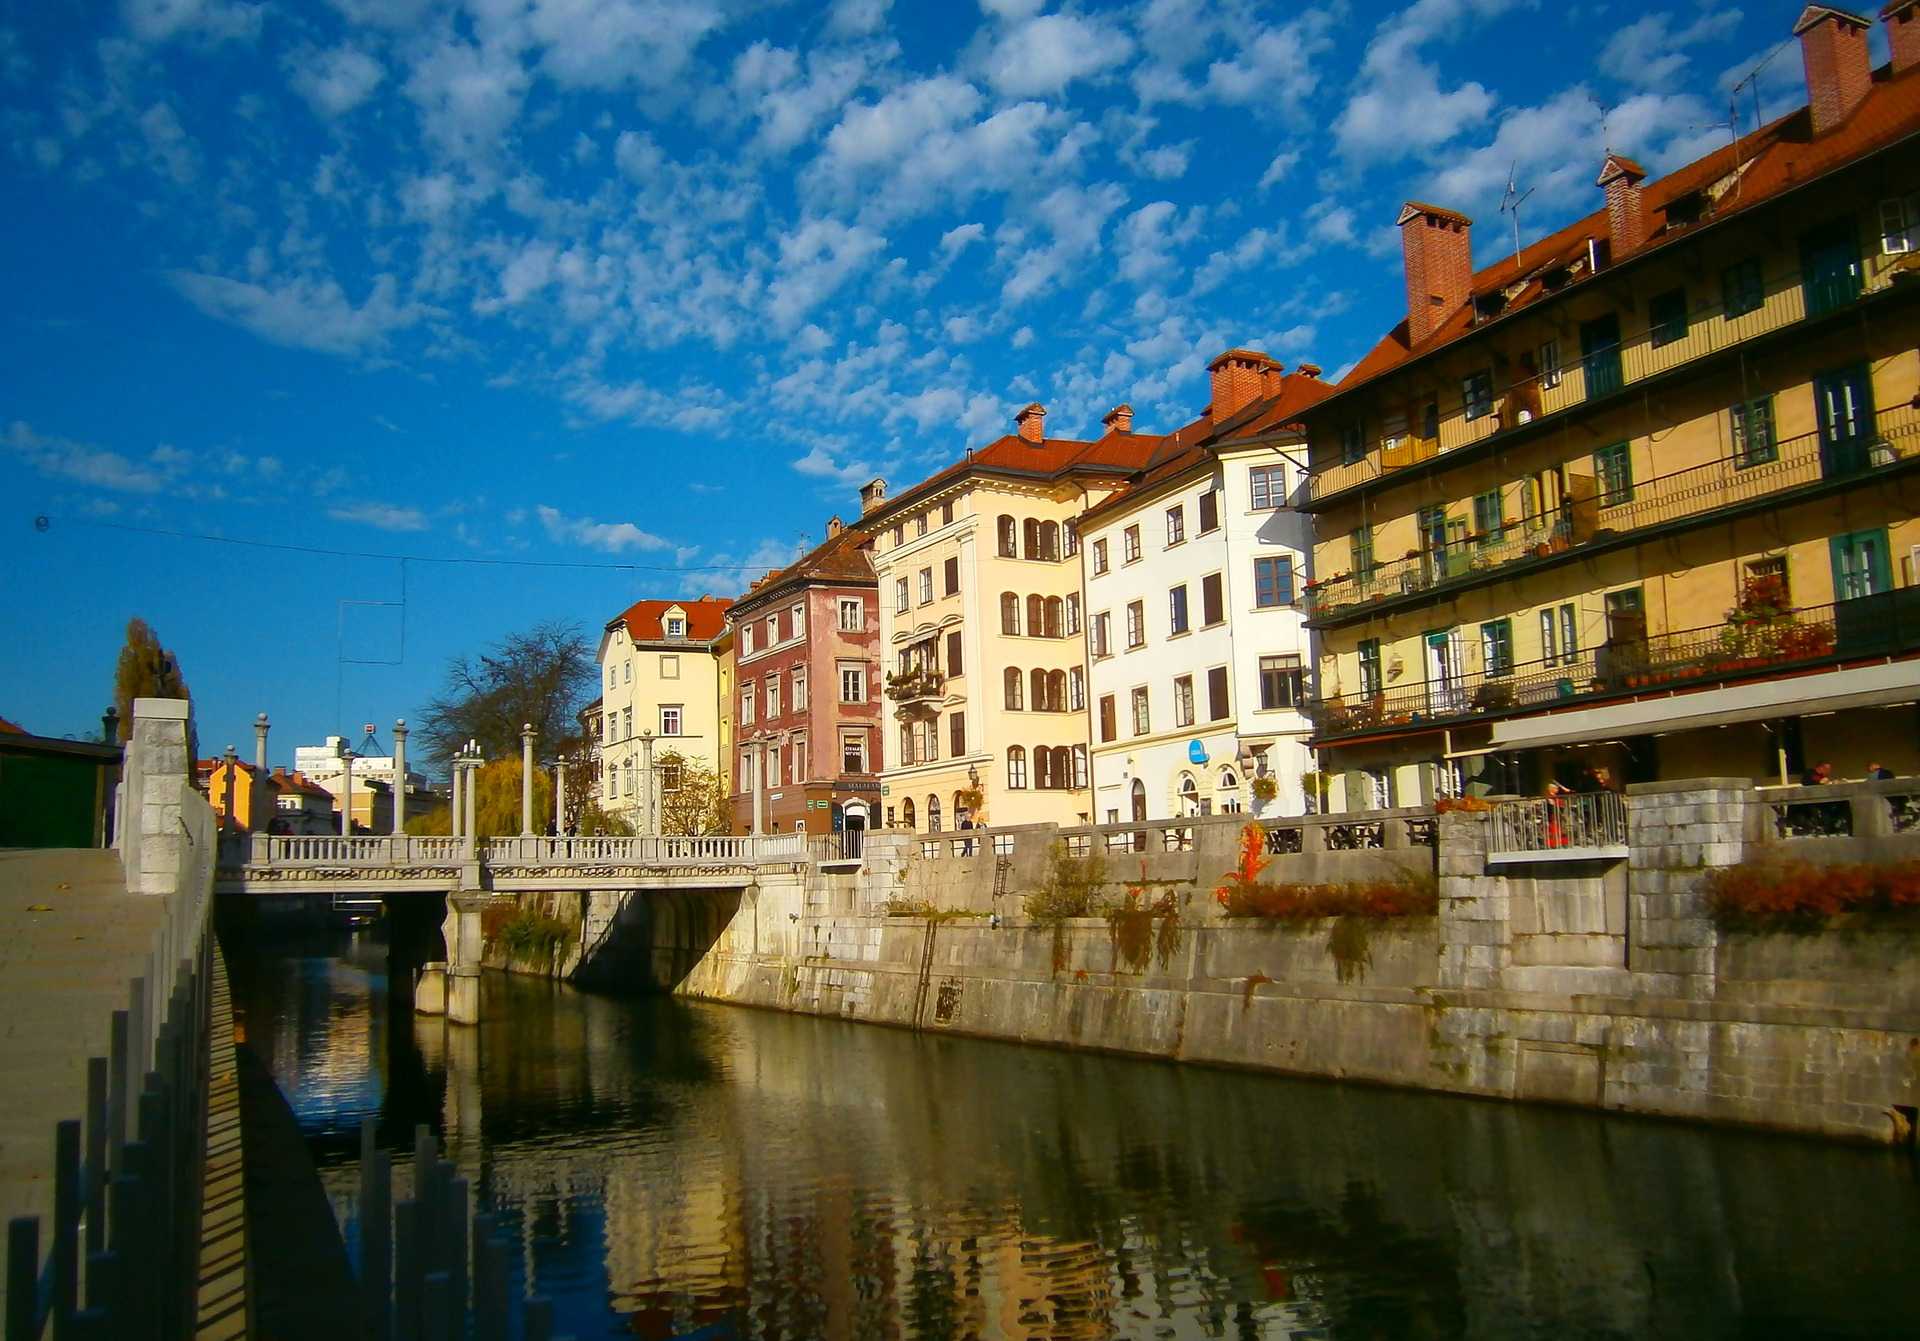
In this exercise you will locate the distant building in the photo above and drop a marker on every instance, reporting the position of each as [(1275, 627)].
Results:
[(325, 766), (660, 692)]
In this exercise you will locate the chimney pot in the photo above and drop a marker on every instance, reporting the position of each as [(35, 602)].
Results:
[(1032, 423), (1437, 245), (1833, 48), (1902, 18), (1310, 371), (1119, 419), (1239, 379), (834, 527), (872, 494)]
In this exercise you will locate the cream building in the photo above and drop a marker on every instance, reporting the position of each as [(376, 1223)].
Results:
[(660, 691)]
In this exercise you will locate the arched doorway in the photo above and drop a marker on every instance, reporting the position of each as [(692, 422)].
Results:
[(906, 814), (850, 821), (1139, 800), (1189, 796), (933, 814)]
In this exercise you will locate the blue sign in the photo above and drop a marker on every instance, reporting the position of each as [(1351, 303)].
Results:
[(1196, 752)]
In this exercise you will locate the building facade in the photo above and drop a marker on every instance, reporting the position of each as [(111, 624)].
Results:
[(1637, 498), (659, 693), (804, 647)]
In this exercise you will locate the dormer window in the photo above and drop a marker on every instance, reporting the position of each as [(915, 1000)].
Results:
[(676, 627)]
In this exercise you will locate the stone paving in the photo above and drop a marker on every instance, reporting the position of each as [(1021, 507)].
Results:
[(71, 938)]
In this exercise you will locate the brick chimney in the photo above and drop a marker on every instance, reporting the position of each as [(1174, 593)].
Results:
[(1438, 247), (1626, 219), (1119, 419), (1833, 47), (872, 494), (1239, 379), (1310, 371), (1902, 18), (1032, 423)]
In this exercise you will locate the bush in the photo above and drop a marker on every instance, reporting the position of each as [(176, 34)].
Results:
[(1793, 896), (532, 938), (1071, 889), (1410, 895)]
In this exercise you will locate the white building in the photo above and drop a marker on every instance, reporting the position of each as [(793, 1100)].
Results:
[(325, 766), (1194, 573)]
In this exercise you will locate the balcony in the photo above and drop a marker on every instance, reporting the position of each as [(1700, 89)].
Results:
[(909, 687), (1613, 368), (1881, 625), (1796, 463)]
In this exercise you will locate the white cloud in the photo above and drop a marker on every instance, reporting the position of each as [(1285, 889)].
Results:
[(383, 516), (822, 464), (791, 99), (212, 20), (1402, 109), (815, 260), (169, 152), (606, 44), (64, 458), (336, 81), (1651, 53), (1074, 218), (899, 125), (608, 537), (468, 96), (301, 312), (1044, 55), (855, 18)]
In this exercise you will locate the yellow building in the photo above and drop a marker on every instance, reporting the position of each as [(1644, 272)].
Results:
[(662, 667), (1642, 497), (981, 628)]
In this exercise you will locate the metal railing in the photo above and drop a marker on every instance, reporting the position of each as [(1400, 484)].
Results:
[(1574, 822), (1608, 370), (1792, 463)]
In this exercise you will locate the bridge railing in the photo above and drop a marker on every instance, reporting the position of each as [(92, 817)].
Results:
[(646, 849)]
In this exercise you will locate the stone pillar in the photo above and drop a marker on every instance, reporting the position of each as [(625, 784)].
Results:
[(647, 824), (473, 803), (260, 725), (1476, 943), (346, 795), (465, 944), (757, 753), (430, 990), (559, 796), (526, 779), (1675, 832), (399, 777), (228, 820), (456, 805), (162, 820)]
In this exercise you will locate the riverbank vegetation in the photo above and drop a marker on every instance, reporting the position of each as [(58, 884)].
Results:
[(1796, 897)]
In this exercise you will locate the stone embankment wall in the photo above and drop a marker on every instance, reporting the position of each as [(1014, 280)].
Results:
[(1600, 982)]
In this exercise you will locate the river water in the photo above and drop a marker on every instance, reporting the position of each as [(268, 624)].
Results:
[(680, 1170)]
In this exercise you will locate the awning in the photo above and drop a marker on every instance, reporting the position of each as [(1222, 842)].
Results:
[(1692, 710)]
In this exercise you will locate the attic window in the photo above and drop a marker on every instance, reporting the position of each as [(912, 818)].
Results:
[(1556, 278), (1686, 209), (676, 628), (1487, 306)]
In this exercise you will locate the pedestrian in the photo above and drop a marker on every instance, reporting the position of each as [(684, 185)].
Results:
[(1556, 807), (1819, 775), (1876, 773)]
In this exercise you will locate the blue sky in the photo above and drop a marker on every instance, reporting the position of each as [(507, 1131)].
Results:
[(341, 336)]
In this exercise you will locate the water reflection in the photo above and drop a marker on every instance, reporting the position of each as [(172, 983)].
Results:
[(679, 1170)]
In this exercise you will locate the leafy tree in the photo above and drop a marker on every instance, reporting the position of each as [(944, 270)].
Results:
[(496, 803), (691, 798), (543, 676), (148, 670)]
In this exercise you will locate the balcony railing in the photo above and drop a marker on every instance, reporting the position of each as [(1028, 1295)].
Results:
[(1883, 624), (1793, 463), (1603, 372), (1558, 827), (907, 686)]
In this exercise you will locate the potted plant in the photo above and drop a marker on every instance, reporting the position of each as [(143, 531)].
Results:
[(973, 798), (1264, 788)]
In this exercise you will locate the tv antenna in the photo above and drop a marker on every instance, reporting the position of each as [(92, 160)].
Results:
[(1510, 204)]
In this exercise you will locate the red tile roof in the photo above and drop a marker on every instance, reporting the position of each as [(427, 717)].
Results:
[(1758, 167), (839, 559), (8, 728), (645, 620)]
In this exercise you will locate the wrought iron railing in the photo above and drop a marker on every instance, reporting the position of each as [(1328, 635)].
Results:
[(906, 686)]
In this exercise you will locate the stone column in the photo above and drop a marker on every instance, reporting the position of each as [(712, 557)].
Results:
[(260, 725), (465, 944), (757, 754), (473, 801), (399, 777), (647, 825), (228, 821), (346, 795), (456, 807), (559, 797), (527, 734), (1676, 831)]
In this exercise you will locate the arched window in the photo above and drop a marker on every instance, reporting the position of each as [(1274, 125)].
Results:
[(1055, 617), (1016, 768), (1189, 795), (1015, 693), (1229, 792), (1036, 617), (1031, 528), (1008, 538), (1040, 691), (906, 813), (1139, 800), (1009, 614), (1056, 691), (1050, 540), (1079, 768), (933, 814)]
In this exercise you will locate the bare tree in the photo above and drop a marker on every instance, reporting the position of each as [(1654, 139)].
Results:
[(692, 799), (542, 676)]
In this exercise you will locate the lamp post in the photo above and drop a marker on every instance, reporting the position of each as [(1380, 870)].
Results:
[(646, 781), (260, 725)]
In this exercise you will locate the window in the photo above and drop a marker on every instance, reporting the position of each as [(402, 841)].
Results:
[(1741, 291), (1177, 609), (1136, 624), (852, 617), (900, 601), (797, 757), (773, 698), (1360, 550), (1050, 541), (611, 723), (956, 735), (1273, 582), (1140, 717), (1049, 691), (1830, 272), (1099, 556), (627, 722), (1217, 708), (1213, 605), (1667, 317), (1072, 616), (1009, 538), (1209, 511), (1103, 634), (1549, 365), (1269, 486), (1130, 544), (1860, 564), (773, 631), (1282, 682), (1015, 688), (1370, 681), (797, 621), (1183, 700), (853, 684), (1569, 634), (926, 586), (1753, 439), (1036, 617), (1054, 611), (748, 700), (1076, 689), (746, 639), (899, 535), (670, 719), (774, 776), (946, 514), (669, 666), (676, 628), (920, 525), (1613, 468), (626, 672), (955, 664), (1176, 525), (1353, 443), (853, 752), (1496, 646), (670, 777), (799, 688), (1476, 394), (1016, 768), (950, 577), (1486, 516), (1109, 723), (1899, 225), (1070, 535), (1558, 639), (613, 677), (1010, 614)]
